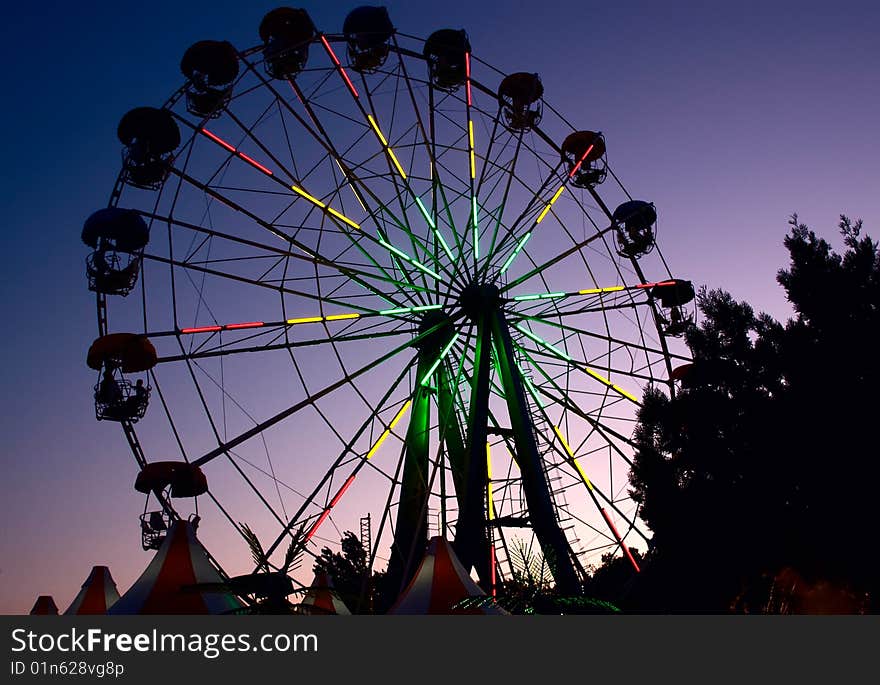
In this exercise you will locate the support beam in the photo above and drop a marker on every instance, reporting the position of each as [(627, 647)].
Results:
[(471, 543), (553, 542), (411, 529)]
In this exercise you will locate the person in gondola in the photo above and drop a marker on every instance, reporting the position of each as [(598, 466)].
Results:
[(108, 392), (138, 398)]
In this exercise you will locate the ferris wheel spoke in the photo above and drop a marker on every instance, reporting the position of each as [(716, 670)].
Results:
[(329, 263), (575, 249), (324, 141), (270, 286), (581, 366), (354, 181), (339, 461), (335, 216), (529, 210), (399, 193), (429, 142), (395, 167), (594, 492), (223, 351), (641, 347), (221, 450), (313, 397), (510, 176), (562, 399)]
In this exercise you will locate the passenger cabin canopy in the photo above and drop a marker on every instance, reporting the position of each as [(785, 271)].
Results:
[(150, 137), (520, 96), (118, 236), (447, 52), (114, 355), (584, 154), (676, 317), (211, 67), (634, 221), (166, 479), (367, 31), (286, 34)]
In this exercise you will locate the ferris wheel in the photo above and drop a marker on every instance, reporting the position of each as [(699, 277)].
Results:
[(361, 274)]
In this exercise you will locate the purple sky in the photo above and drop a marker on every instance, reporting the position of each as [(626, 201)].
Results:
[(728, 119)]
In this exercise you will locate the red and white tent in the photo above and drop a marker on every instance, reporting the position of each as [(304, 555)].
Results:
[(168, 584), (321, 598), (44, 606), (97, 595), (440, 583)]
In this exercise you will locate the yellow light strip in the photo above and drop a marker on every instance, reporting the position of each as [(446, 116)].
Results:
[(387, 147), (602, 379), (396, 163), (473, 158), (597, 291), (377, 130), (315, 201), (319, 319), (388, 430), (547, 208), (344, 218), (310, 198), (489, 494), (573, 459)]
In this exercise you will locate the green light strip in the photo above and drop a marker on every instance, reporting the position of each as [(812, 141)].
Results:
[(405, 256), (519, 247), (476, 229), (425, 213), (543, 342), (411, 310), (427, 377), (539, 296), (434, 228)]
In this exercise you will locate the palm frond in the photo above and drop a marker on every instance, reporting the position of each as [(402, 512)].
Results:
[(293, 555), (256, 548)]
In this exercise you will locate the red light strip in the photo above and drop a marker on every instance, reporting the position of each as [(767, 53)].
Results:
[(202, 329), (255, 163), (249, 324), (659, 284), (620, 542), (341, 492), (321, 519), (492, 565), (326, 512), (467, 72), (227, 327), (242, 155), (339, 66), (581, 161), (219, 140)]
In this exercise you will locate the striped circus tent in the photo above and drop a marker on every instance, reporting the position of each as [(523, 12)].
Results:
[(440, 584), (97, 594), (44, 606), (168, 586), (321, 597)]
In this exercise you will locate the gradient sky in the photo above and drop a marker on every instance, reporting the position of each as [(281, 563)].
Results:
[(729, 119)]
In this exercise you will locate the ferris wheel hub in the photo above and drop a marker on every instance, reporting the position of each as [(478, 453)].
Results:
[(479, 299)]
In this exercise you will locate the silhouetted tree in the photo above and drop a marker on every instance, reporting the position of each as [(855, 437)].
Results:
[(613, 580), (766, 459), (348, 571)]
